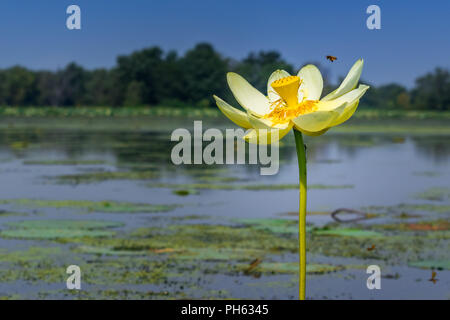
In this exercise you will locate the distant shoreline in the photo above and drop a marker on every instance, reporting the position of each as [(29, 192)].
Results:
[(166, 119), (192, 112)]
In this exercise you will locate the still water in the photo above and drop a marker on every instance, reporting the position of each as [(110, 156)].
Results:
[(345, 170)]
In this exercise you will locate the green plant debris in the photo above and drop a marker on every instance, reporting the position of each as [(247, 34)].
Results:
[(218, 179), (415, 208), (104, 176), (435, 225), (5, 213), (93, 206), (57, 229), (190, 217), (198, 242), (185, 192), (354, 233), (293, 267), (218, 254), (54, 233), (434, 194), (67, 162), (65, 224), (252, 187), (430, 264), (272, 225)]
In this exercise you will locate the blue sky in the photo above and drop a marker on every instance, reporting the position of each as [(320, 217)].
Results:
[(414, 37)]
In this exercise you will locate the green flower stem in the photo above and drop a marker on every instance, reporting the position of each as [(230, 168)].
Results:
[(301, 155)]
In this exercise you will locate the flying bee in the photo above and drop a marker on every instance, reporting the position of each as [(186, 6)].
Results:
[(331, 58), (433, 277)]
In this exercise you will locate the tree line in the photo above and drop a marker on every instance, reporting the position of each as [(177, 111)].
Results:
[(153, 77)]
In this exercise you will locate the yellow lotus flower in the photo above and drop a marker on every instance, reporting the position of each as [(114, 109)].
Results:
[(292, 101)]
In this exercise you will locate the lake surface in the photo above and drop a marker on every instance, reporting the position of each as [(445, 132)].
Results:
[(400, 181)]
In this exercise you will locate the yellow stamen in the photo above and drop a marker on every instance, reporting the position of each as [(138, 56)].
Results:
[(283, 114), (288, 107), (287, 88)]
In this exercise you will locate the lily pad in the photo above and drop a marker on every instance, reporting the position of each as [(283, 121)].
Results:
[(219, 254), (293, 267), (272, 225)]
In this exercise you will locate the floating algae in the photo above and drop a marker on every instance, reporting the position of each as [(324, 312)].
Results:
[(292, 268), (104, 176), (185, 192), (93, 206), (435, 225), (54, 233), (347, 232), (416, 208), (65, 224), (431, 264), (434, 194), (252, 187), (272, 225), (57, 229), (68, 162)]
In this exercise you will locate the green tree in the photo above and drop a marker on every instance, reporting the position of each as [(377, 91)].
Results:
[(144, 67), (203, 74), (99, 88), (71, 83), (18, 87), (432, 91), (257, 67)]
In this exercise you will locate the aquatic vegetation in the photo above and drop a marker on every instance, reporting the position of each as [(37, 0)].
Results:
[(185, 192), (252, 187), (65, 162), (436, 225), (430, 264), (5, 213), (434, 194), (272, 225), (127, 251), (189, 111), (292, 268), (104, 176), (404, 208), (346, 232), (65, 224), (54, 233), (92, 206), (56, 229), (193, 241), (190, 217), (218, 179)]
